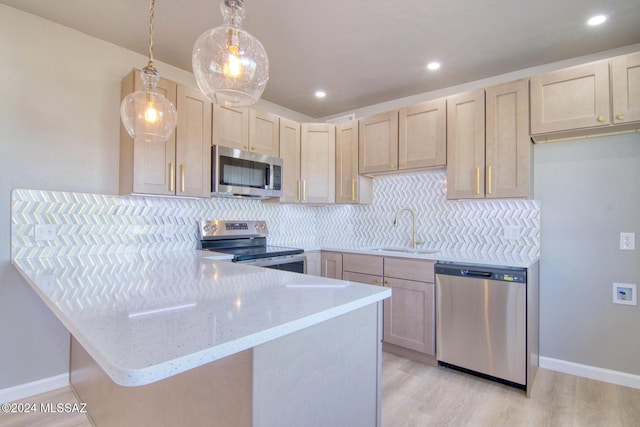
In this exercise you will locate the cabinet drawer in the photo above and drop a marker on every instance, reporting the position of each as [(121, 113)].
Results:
[(409, 269), (368, 279), (367, 264)]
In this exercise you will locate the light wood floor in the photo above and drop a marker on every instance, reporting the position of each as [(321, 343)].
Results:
[(414, 394)]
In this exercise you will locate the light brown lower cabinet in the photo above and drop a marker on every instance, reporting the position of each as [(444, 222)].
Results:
[(331, 264), (409, 315)]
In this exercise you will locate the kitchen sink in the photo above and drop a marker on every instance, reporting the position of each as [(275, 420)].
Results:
[(425, 251)]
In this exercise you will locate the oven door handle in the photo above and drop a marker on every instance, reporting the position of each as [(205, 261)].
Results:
[(266, 262)]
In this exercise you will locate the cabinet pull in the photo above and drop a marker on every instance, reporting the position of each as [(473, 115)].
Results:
[(478, 181), (253, 148), (488, 180), (304, 190), (620, 117), (172, 177), (298, 196), (386, 282), (353, 189), (181, 178), (601, 119), (376, 282), (392, 166), (244, 147)]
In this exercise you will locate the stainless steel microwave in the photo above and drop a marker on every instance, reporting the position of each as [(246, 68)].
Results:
[(238, 173)]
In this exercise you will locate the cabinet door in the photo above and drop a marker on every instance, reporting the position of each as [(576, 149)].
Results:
[(350, 186), (154, 163), (290, 154), (409, 269), (331, 264), (314, 263), (625, 83), (423, 135), (231, 127), (572, 98), (193, 144), (264, 133), (465, 145), (508, 145), (409, 315), (318, 162), (378, 143)]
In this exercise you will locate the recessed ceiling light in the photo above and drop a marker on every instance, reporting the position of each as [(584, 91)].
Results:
[(597, 20), (433, 66), (320, 94)]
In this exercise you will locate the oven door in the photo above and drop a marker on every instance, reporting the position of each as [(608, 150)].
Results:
[(294, 263)]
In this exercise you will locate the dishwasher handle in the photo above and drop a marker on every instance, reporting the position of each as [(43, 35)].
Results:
[(476, 273)]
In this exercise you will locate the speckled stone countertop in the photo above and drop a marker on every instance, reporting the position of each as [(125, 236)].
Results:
[(475, 258), (146, 317)]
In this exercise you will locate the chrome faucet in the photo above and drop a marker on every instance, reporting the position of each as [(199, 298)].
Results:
[(414, 242)]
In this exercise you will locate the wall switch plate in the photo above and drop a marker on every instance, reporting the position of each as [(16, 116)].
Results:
[(46, 232), (624, 293), (511, 232), (628, 241)]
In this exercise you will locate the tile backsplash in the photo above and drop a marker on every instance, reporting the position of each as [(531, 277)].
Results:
[(104, 224)]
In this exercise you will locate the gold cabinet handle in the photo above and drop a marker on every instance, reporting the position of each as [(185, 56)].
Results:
[(304, 190), (392, 166), (181, 178), (298, 196), (244, 147), (601, 119), (172, 177), (376, 282), (253, 148), (353, 189), (620, 117), (488, 180), (401, 165), (478, 181), (386, 282)]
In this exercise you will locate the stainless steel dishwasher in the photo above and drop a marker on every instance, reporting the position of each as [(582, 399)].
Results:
[(481, 321)]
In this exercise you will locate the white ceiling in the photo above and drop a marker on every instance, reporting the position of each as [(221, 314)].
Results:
[(363, 52)]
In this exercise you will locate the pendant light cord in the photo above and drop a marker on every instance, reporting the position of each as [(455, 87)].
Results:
[(152, 4)]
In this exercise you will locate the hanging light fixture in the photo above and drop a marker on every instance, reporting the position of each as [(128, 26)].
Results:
[(147, 114), (230, 65)]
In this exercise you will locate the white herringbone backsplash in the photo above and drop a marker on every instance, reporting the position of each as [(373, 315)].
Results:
[(106, 224)]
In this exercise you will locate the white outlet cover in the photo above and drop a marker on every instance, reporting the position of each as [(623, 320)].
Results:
[(45, 232), (628, 241), (624, 293)]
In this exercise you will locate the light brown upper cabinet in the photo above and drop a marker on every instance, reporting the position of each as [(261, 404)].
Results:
[(246, 129), (180, 166), (318, 163), (350, 186), (571, 98), (410, 138), (290, 154), (378, 143), (625, 83), (508, 145), (465, 145), (488, 144), (422, 139)]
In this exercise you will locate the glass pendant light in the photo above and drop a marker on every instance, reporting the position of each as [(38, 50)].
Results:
[(230, 65), (147, 114)]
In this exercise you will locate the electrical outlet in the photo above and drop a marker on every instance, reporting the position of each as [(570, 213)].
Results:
[(628, 241), (46, 232), (624, 293), (511, 232)]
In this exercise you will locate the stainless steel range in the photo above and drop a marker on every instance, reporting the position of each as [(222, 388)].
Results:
[(247, 242)]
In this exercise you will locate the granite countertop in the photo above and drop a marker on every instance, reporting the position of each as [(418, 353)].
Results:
[(475, 258), (145, 317)]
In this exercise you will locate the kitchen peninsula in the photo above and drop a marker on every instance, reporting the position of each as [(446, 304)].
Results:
[(182, 338)]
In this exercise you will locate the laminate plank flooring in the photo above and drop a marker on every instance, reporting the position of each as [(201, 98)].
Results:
[(418, 395)]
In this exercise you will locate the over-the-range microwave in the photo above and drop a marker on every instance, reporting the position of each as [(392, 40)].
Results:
[(239, 173)]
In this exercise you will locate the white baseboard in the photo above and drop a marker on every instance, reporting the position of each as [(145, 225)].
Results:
[(592, 372), (35, 387)]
